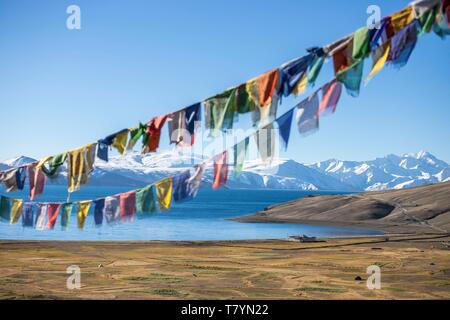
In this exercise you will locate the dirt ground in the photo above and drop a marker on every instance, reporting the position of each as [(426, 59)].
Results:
[(412, 267)]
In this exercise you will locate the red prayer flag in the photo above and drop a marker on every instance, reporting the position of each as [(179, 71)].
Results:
[(266, 87), (220, 170), (127, 206), (37, 181), (330, 98), (52, 214), (154, 133)]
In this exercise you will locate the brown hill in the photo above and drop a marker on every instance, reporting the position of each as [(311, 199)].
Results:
[(424, 209)]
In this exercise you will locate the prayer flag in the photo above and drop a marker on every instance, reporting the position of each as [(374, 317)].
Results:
[(220, 170), (331, 93), (66, 212), (82, 212), (127, 206), (307, 116), (180, 186), (240, 152), (164, 193), (99, 208), (16, 210), (145, 200), (52, 214), (284, 125), (28, 214), (112, 209)]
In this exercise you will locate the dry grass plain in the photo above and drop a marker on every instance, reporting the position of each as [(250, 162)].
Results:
[(413, 267)]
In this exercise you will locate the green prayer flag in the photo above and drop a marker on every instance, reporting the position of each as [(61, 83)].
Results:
[(66, 212), (240, 151), (54, 164), (5, 208), (219, 111), (145, 200), (135, 135), (428, 19), (314, 69), (361, 43), (243, 102), (351, 78)]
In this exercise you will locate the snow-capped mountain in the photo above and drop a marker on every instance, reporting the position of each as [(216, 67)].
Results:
[(390, 172)]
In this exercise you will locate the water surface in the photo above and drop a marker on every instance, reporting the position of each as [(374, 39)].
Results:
[(203, 218)]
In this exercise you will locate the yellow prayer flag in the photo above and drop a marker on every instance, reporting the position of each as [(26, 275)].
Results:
[(120, 141), (16, 210), (82, 212), (402, 18), (300, 87), (379, 60), (164, 193)]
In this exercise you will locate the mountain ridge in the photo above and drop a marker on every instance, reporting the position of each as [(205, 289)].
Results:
[(383, 173)]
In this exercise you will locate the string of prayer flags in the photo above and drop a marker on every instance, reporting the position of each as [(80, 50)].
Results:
[(145, 200), (127, 206), (220, 170), (307, 116), (402, 45), (28, 214), (16, 210), (180, 189), (331, 93), (52, 214), (41, 216), (112, 209), (153, 134), (379, 56), (164, 193), (195, 180), (36, 180), (240, 152), (82, 212), (66, 212)]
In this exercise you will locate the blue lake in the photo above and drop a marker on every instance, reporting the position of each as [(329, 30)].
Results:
[(203, 218)]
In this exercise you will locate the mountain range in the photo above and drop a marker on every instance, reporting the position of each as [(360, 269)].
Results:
[(390, 172)]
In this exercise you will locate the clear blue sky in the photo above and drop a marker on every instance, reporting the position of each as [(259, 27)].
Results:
[(132, 60)]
